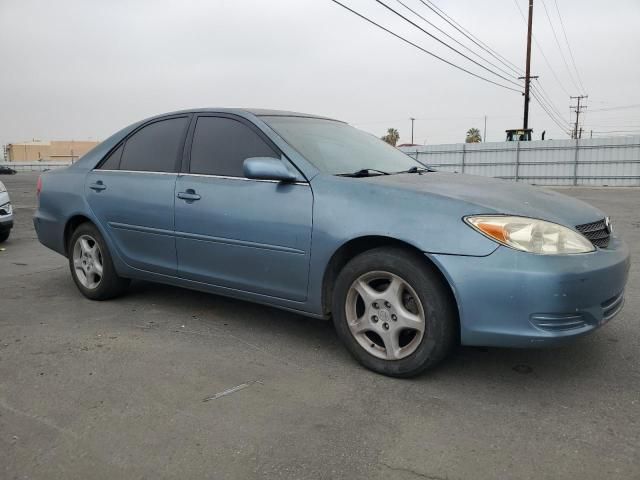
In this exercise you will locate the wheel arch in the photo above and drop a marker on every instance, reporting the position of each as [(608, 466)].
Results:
[(72, 223), (359, 245)]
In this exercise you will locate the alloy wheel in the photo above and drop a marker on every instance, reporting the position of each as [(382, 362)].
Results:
[(385, 315), (88, 262)]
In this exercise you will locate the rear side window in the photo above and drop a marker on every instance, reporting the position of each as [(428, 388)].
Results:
[(221, 145), (113, 160), (154, 148)]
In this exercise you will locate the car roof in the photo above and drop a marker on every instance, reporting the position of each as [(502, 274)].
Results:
[(259, 112), (262, 112)]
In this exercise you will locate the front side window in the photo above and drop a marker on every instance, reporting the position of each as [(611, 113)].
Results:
[(155, 147), (221, 145), (337, 148)]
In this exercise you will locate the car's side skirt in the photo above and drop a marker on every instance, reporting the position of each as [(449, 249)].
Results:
[(276, 302)]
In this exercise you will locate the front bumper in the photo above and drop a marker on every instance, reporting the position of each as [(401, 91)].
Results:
[(6, 213), (6, 223), (515, 299)]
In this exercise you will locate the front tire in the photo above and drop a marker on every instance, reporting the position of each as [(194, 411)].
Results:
[(393, 312), (4, 236), (91, 265)]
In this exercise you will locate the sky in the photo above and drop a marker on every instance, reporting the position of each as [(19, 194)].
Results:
[(83, 69)]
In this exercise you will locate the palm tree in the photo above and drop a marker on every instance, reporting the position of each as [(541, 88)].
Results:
[(473, 136), (392, 136)]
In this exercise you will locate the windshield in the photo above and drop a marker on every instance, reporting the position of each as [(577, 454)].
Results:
[(336, 148)]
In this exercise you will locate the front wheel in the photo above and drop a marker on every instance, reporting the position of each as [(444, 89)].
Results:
[(4, 235), (91, 266), (393, 312)]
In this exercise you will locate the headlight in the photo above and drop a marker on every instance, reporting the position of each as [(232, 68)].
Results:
[(5, 209), (2, 187), (531, 235)]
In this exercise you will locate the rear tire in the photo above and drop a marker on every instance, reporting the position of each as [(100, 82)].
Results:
[(393, 312), (91, 265)]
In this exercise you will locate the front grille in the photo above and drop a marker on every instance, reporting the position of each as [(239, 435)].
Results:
[(596, 232)]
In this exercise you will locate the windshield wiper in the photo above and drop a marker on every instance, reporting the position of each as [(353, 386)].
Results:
[(364, 172), (419, 170)]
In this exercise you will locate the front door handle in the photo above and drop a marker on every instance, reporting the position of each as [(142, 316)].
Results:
[(98, 186), (189, 195)]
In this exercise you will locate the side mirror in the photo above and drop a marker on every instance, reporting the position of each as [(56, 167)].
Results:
[(267, 168)]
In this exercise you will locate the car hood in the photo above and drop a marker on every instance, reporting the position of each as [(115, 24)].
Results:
[(492, 196)]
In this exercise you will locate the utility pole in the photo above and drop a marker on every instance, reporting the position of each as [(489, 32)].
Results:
[(578, 109), (484, 133), (412, 120), (527, 77)]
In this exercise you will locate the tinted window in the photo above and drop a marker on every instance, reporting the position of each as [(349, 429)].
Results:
[(154, 148), (113, 160), (221, 145)]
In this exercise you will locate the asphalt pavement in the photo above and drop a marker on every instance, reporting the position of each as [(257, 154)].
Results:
[(170, 383)]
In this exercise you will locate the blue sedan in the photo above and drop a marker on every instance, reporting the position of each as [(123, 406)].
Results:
[(311, 215)]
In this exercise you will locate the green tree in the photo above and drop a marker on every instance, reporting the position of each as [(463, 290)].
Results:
[(473, 136), (392, 136)]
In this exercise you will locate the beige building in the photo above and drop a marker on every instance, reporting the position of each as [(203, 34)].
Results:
[(55, 150)]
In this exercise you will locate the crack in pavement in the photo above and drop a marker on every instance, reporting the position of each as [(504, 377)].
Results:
[(39, 419), (414, 472)]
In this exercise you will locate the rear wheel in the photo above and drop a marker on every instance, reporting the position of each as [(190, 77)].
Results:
[(91, 266), (393, 312)]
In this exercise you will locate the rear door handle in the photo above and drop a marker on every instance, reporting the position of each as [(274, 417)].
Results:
[(97, 186), (189, 195)]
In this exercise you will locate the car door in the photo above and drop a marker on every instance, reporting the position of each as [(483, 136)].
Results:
[(132, 194), (239, 233)]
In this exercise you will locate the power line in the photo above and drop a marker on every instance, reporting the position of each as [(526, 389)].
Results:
[(559, 123), (542, 53), (444, 43), (555, 36), (550, 113), (543, 98), (545, 103), (626, 125), (616, 131), (438, 11), (616, 119), (573, 61), (621, 107), (454, 39), (543, 93), (423, 49), (432, 118)]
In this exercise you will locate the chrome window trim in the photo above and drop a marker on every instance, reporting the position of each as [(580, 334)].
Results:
[(239, 178), (200, 175), (133, 171)]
